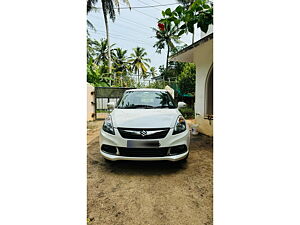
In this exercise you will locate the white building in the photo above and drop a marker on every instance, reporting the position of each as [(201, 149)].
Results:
[(201, 54)]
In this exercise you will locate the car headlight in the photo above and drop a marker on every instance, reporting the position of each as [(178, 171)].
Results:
[(108, 125), (180, 125)]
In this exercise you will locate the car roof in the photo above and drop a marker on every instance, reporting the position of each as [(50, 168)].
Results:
[(147, 89)]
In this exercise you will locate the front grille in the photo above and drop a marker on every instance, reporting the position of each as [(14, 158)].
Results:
[(143, 152), (140, 133)]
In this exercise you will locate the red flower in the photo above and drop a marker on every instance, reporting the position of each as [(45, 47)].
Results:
[(161, 26)]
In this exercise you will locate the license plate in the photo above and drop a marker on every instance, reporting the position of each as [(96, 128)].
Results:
[(142, 144)]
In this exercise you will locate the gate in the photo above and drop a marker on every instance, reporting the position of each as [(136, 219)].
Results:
[(104, 95)]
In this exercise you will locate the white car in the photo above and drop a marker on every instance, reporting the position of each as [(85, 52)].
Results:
[(145, 125)]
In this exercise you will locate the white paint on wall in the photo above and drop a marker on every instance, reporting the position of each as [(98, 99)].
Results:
[(203, 58)]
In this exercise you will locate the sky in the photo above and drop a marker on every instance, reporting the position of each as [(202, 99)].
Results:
[(132, 28)]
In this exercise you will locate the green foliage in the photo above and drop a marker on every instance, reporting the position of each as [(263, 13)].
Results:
[(188, 113), (100, 52), (174, 69), (124, 81), (108, 7), (90, 5), (182, 77), (122, 65), (90, 50), (157, 84), (185, 3), (97, 75), (187, 79), (139, 63), (152, 72), (166, 38), (120, 62), (199, 12)]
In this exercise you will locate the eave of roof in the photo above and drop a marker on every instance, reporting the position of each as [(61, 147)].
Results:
[(201, 41)]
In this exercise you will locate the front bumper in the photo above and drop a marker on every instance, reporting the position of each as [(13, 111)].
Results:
[(168, 158), (169, 141)]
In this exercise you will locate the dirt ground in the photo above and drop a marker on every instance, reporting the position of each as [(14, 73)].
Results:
[(150, 193)]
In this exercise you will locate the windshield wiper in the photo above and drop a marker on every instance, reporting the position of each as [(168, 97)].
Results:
[(139, 106)]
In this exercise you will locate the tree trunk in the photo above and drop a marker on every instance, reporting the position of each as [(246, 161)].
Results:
[(168, 52), (107, 38), (138, 76)]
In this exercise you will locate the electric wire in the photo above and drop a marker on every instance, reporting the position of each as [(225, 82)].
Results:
[(149, 5), (159, 2), (146, 14), (122, 21), (120, 37), (114, 34), (142, 7), (134, 23)]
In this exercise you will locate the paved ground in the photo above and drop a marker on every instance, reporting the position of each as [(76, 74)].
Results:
[(150, 193)]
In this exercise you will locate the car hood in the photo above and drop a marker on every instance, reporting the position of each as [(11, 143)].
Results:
[(144, 118)]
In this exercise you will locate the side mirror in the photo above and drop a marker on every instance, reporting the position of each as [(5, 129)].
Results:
[(111, 105), (181, 105)]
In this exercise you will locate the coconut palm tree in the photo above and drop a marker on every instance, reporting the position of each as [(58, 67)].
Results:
[(120, 64), (120, 60), (108, 8), (138, 62), (101, 51), (90, 7), (152, 72), (89, 48), (166, 37)]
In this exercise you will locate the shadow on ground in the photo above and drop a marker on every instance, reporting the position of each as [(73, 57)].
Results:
[(144, 168)]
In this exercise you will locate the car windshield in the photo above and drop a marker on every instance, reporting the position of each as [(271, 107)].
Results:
[(146, 100)]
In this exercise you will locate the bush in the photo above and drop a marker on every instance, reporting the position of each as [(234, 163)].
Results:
[(188, 113), (187, 79)]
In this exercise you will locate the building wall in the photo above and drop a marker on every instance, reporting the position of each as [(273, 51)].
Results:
[(203, 59), (202, 55), (90, 101)]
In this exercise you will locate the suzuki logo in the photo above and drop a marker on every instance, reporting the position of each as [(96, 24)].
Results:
[(143, 133)]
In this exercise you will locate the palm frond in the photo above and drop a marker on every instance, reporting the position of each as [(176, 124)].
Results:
[(109, 9), (90, 25), (90, 4), (127, 3)]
